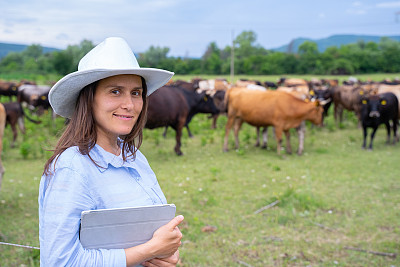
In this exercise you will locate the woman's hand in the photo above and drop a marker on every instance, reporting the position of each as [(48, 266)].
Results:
[(166, 239), (170, 261), (161, 249)]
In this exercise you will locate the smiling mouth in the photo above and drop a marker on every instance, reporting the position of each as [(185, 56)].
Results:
[(123, 116)]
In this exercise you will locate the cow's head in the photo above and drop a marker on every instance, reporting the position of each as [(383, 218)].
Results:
[(322, 93), (205, 103), (315, 115), (373, 105)]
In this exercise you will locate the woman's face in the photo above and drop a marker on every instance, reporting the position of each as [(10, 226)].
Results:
[(117, 105)]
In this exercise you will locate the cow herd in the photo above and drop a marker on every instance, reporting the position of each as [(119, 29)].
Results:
[(284, 104)]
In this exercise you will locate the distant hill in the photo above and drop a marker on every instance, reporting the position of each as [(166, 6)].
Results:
[(334, 40), (6, 48)]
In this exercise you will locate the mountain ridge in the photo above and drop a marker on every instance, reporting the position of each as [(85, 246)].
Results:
[(6, 48), (333, 40)]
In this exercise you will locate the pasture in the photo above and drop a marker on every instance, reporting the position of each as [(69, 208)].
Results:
[(338, 205)]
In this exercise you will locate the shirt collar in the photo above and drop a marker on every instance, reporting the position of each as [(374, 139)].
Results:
[(104, 158)]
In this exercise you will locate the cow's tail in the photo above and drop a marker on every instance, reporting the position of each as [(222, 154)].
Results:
[(26, 116)]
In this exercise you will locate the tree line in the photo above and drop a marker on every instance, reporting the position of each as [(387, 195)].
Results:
[(249, 58)]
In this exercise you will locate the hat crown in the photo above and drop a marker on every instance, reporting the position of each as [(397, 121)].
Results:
[(112, 53)]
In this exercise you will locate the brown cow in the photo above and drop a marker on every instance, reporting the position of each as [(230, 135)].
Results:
[(291, 82), (268, 108), (9, 89), (2, 125), (15, 115), (348, 97)]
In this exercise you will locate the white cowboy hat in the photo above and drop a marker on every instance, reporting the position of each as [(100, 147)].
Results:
[(111, 57)]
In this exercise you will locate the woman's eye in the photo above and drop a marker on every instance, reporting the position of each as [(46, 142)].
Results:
[(115, 92), (136, 93)]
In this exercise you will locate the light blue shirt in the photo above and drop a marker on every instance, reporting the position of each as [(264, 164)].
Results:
[(77, 185)]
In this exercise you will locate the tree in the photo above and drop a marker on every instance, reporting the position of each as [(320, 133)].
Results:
[(212, 60), (153, 56), (308, 52)]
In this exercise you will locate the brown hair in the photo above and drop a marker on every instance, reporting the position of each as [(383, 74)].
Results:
[(81, 129)]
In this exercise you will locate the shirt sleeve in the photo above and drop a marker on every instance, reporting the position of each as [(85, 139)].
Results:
[(61, 201)]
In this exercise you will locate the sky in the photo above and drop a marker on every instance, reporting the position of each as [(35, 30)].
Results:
[(187, 27)]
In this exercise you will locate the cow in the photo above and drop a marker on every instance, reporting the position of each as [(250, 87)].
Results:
[(268, 108), (270, 85), (9, 89), (213, 84), (323, 94), (2, 126), (291, 82), (15, 115), (174, 106), (186, 85), (35, 96), (348, 97), (376, 110), (395, 89)]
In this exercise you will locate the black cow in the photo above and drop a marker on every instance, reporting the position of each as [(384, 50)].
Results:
[(174, 106), (376, 110), (268, 84), (324, 95), (15, 114)]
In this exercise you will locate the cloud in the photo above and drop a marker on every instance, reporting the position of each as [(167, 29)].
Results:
[(357, 3), (321, 15), (388, 4)]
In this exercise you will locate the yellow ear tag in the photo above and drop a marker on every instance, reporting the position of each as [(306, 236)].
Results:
[(205, 98), (43, 97), (14, 88), (311, 92), (361, 92), (306, 100), (383, 102), (364, 102)]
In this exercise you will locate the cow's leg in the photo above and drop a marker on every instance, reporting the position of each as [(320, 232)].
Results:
[(265, 137), (340, 115), (301, 132), (387, 124), (178, 141), (188, 130), (214, 122), (278, 136), (236, 129), (395, 136), (258, 137), (165, 132), (21, 125), (335, 113), (372, 137), (288, 145), (178, 129), (15, 134), (228, 128), (364, 137)]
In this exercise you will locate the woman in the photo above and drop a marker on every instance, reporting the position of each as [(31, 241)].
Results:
[(96, 163)]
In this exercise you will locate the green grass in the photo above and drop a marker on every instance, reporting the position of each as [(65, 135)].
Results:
[(334, 196)]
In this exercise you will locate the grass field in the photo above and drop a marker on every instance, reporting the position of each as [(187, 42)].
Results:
[(332, 200)]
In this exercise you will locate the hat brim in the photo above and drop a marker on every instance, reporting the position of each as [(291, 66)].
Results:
[(64, 93)]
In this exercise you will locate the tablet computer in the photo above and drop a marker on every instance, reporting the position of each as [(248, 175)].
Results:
[(122, 227)]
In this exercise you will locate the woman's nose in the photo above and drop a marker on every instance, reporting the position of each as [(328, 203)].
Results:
[(127, 102)]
